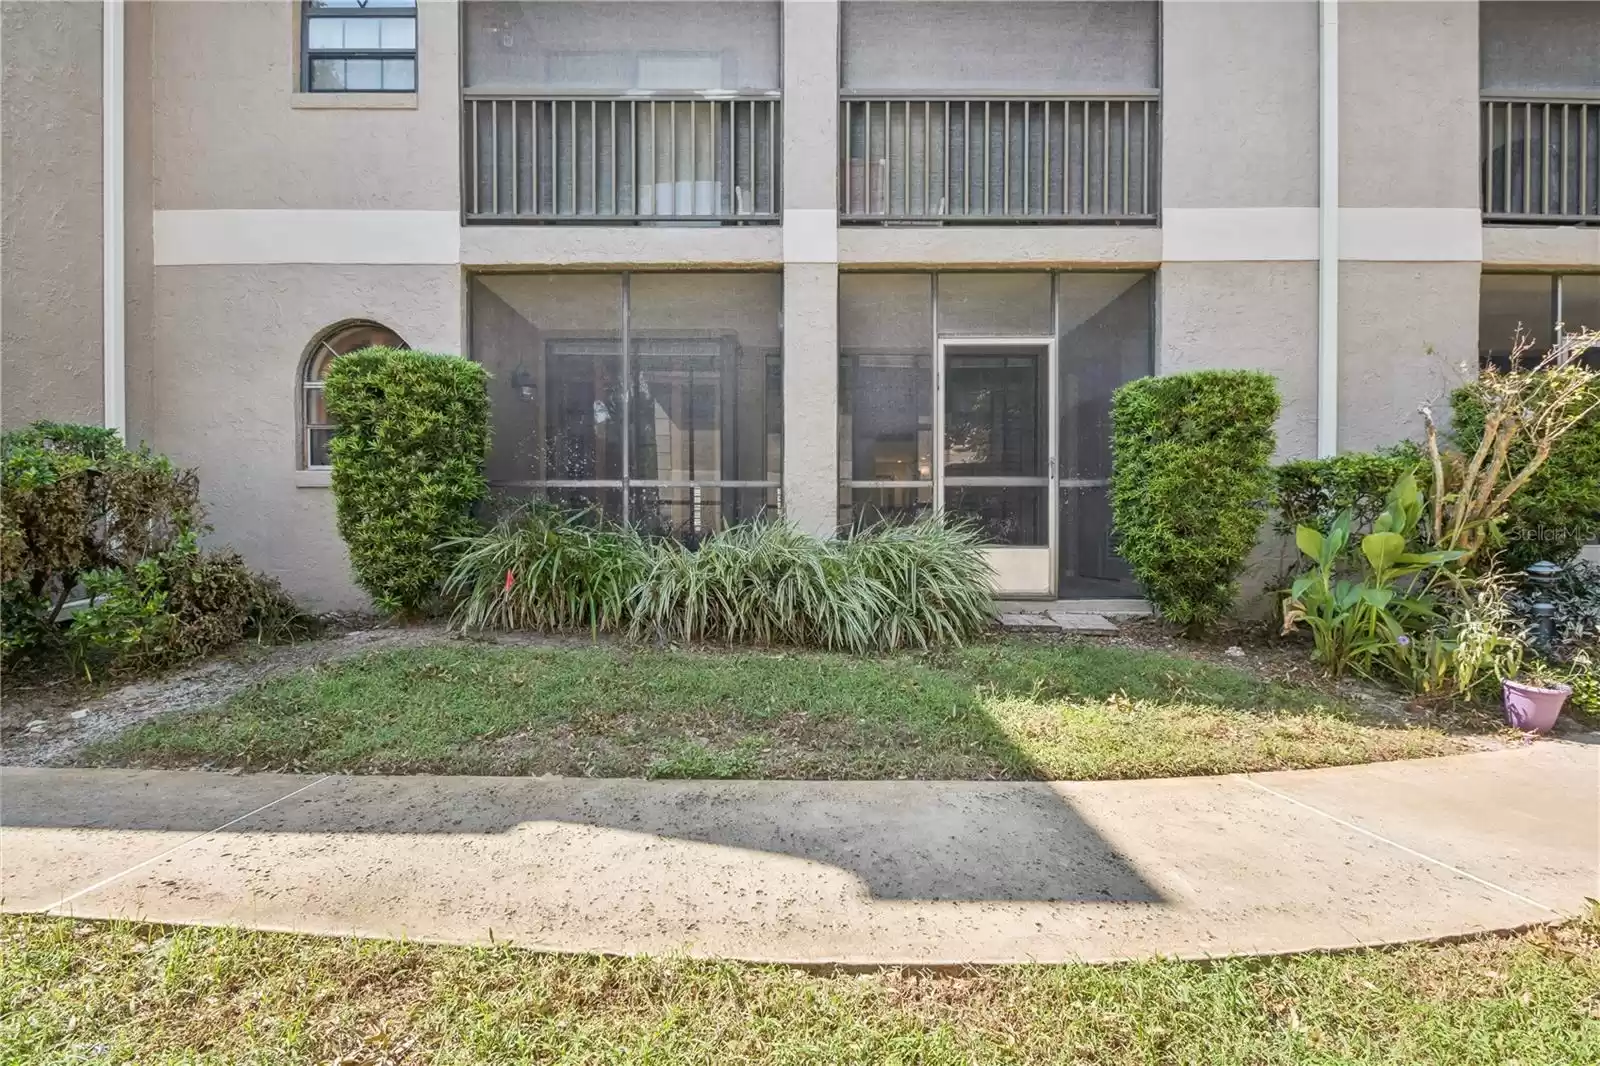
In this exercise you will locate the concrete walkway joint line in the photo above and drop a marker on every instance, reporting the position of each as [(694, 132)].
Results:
[(64, 900), (1396, 844)]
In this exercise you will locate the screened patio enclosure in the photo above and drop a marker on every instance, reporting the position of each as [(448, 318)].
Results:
[(654, 399), (989, 396)]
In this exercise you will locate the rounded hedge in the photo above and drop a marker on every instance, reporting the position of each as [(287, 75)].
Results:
[(408, 466), (1191, 474), (1558, 511)]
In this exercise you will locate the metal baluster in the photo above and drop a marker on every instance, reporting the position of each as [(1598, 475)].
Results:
[(1005, 159), (1027, 156), (672, 166), (1527, 159), (616, 150), (944, 196), (1126, 107), (1583, 163), (905, 161), (967, 159), (844, 156), (754, 207), (516, 158), (1105, 160), (1144, 192), (572, 151), (1544, 163), (477, 207), (986, 142), (594, 157), (1086, 157), (1505, 190), (1566, 153), (927, 154), (866, 168), (772, 157), (1488, 158), (1046, 174), (494, 155)]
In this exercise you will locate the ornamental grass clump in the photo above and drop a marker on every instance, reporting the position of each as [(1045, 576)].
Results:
[(545, 568), (886, 587)]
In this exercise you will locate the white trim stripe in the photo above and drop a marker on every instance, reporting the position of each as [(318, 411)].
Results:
[(203, 238), (1238, 234), (1205, 235), (1411, 234)]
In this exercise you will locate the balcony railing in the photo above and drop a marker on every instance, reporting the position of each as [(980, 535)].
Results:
[(564, 159), (1000, 159), (1541, 159)]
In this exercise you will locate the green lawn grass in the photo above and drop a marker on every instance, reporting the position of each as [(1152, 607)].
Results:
[(76, 992), (1015, 709)]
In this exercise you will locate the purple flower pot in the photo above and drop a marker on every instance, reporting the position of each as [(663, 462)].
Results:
[(1531, 708)]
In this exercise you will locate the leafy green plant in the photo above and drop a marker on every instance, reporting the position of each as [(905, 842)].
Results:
[(1313, 492), (1526, 416), (73, 499), (935, 575), (1478, 643), (1367, 623), (545, 568), (1191, 477), (124, 623), (408, 466), (115, 531), (1558, 511), (890, 586)]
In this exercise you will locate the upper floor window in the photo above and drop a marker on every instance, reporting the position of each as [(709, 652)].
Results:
[(359, 46), (316, 428)]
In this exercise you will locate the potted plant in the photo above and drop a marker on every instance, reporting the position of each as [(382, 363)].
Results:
[(1534, 702)]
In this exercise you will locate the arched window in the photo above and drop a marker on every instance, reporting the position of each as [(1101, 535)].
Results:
[(346, 337)]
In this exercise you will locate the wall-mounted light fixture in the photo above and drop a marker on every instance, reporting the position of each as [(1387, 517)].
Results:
[(525, 383)]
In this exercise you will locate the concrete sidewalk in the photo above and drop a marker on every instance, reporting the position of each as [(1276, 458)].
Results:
[(851, 872)]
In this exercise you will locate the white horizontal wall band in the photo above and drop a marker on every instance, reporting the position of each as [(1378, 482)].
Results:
[(1411, 234), (1238, 234), (1366, 234), (810, 235), (204, 238)]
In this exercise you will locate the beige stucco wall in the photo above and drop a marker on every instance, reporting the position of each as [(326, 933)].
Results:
[(226, 135), (50, 193), (138, 235), (231, 340), (1247, 316), (1408, 332), (1408, 104), (1239, 104)]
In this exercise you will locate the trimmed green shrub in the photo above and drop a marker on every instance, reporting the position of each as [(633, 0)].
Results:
[(408, 466), (1191, 476), (1558, 511), (74, 500), (888, 586), (1314, 492), (85, 518)]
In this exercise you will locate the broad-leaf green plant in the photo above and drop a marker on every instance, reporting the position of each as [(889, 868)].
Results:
[(1366, 622)]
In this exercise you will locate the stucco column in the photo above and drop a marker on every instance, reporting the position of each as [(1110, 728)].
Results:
[(811, 263), (1411, 228)]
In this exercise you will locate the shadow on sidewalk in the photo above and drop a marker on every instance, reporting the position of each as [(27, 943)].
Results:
[(904, 840)]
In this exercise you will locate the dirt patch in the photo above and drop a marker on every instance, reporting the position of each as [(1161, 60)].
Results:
[(48, 723)]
